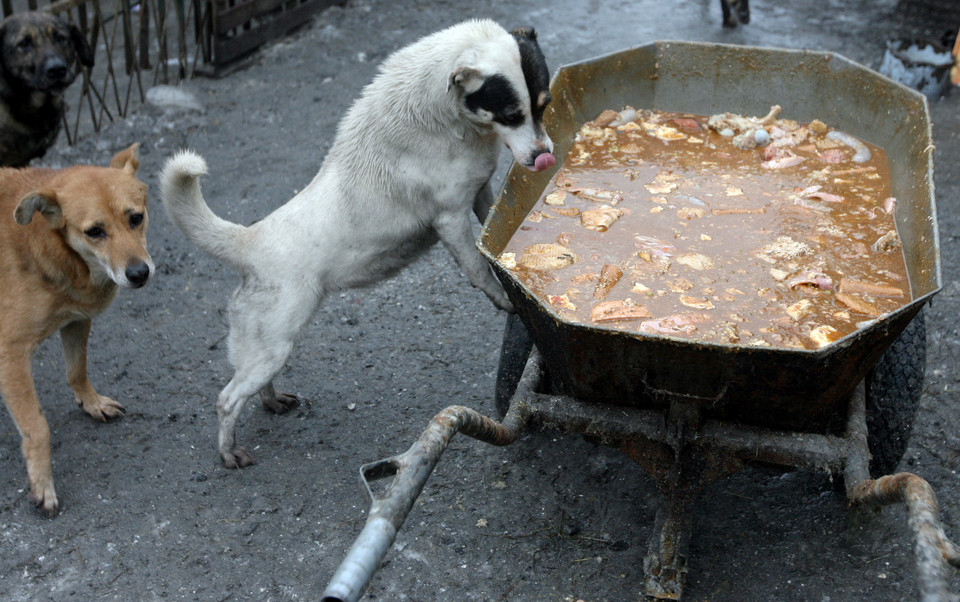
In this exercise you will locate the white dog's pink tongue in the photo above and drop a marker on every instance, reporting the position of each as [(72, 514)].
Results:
[(544, 161)]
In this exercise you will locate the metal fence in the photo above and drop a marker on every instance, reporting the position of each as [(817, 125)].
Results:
[(142, 43)]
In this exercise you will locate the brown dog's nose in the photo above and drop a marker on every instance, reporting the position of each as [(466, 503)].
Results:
[(137, 273)]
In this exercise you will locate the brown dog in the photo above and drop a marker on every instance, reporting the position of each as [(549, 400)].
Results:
[(68, 238), (39, 56)]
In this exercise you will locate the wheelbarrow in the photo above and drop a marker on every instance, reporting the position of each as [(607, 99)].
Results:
[(689, 412)]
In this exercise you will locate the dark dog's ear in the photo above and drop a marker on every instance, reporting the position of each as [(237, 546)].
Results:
[(44, 201), (463, 77), (81, 46), (3, 34), (128, 159)]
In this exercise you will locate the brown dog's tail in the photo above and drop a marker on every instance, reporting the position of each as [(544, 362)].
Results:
[(180, 193)]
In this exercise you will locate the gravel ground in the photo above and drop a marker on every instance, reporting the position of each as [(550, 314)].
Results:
[(148, 513)]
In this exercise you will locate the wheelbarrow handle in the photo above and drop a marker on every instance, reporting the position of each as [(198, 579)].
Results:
[(410, 471)]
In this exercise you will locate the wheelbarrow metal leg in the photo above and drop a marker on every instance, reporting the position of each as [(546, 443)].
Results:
[(933, 550), (665, 567)]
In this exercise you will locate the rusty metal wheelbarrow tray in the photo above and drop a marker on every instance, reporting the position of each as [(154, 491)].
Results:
[(774, 388), (676, 405)]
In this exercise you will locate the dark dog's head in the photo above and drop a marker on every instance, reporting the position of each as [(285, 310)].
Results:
[(506, 85), (40, 52)]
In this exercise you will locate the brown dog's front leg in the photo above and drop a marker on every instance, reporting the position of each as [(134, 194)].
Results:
[(16, 386), (74, 338)]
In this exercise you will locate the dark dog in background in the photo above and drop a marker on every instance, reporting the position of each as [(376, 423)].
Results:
[(39, 57), (735, 11)]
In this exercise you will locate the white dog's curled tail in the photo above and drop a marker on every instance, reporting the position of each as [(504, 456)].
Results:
[(180, 193)]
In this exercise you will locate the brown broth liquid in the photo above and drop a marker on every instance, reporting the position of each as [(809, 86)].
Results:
[(711, 243)]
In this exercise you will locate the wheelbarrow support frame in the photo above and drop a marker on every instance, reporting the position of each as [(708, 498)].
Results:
[(681, 453)]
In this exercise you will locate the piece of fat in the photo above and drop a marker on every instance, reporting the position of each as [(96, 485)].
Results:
[(547, 256), (556, 198), (696, 302), (823, 335), (562, 301), (614, 311), (600, 219), (799, 309), (697, 261)]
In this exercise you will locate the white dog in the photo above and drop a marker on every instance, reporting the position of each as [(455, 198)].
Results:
[(412, 157)]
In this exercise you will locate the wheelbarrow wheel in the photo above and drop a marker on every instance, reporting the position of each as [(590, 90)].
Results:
[(893, 389), (514, 352)]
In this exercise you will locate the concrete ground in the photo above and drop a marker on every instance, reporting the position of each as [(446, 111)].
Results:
[(148, 512)]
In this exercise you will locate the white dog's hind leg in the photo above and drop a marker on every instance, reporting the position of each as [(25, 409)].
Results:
[(253, 373), (457, 235), (278, 403), (262, 335), (229, 404)]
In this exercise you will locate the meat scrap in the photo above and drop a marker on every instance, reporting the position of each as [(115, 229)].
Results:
[(799, 309), (812, 280), (555, 198), (696, 302), (547, 256), (887, 242), (605, 118), (673, 324), (785, 248), (823, 335), (739, 211), (598, 195), (600, 219), (697, 261), (613, 311), (508, 260), (859, 305), (849, 285), (739, 123), (609, 276), (562, 301)]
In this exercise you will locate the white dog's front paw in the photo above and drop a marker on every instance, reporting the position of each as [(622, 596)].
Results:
[(503, 302)]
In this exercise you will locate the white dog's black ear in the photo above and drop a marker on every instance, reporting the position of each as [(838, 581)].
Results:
[(466, 78), (43, 201)]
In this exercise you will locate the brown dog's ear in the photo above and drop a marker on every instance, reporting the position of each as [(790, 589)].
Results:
[(80, 45), (44, 201), (463, 76), (128, 159)]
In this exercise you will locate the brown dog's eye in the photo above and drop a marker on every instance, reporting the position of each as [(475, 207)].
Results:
[(25, 44), (136, 219), (95, 232)]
